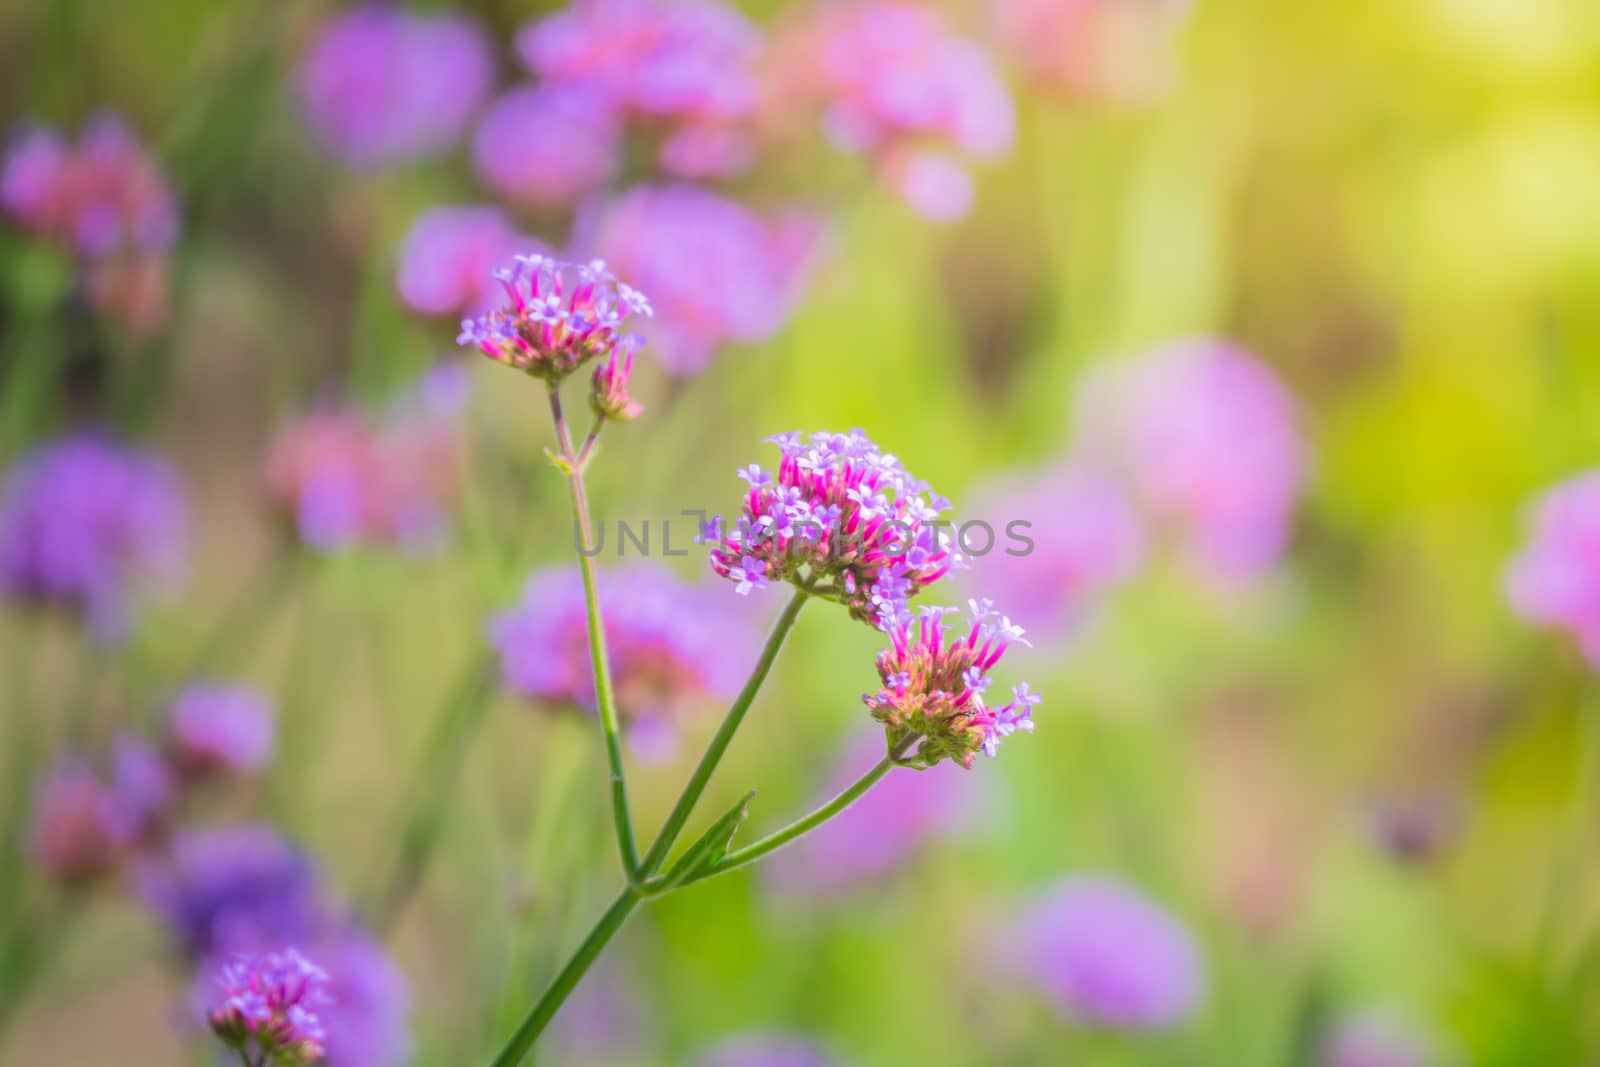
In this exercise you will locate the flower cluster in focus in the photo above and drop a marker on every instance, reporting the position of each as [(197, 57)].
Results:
[(933, 686), (268, 1007), (841, 519)]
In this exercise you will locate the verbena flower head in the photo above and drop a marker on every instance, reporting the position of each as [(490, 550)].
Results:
[(226, 729), (381, 85), (1555, 581), (879, 834), (1374, 1040), (269, 1006), (547, 145), (765, 1049), (1107, 955), (841, 519), (79, 828), (673, 647), (82, 520), (446, 260), (1083, 538), (934, 683), (556, 316), (747, 271), (1208, 437), (346, 478)]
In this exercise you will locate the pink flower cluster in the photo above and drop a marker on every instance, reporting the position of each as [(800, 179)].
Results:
[(81, 826), (447, 260), (221, 729), (556, 316), (748, 271), (933, 687), (896, 84), (346, 478), (1556, 580), (381, 85), (547, 145), (268, 1006), (673, 647), (105, 201), (842, 520)]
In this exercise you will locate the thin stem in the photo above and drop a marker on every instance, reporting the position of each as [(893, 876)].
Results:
[(568, 978), (586, 452), (724, 735), (774, 841), (605, 698)]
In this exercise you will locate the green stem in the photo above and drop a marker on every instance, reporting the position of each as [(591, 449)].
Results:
[(586, 452), (724, 735), (605, 698), (567, 980), (774, 841)]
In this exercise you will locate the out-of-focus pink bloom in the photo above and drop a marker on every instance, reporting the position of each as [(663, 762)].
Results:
[(143, 783), (269, 1006), (225, 729), (549, 144), (1207, 437), (844, 519), (708, 150), (347, 478), (1061, 540), (892, 79), (105, 201), (79, 827), (82, 520), (716, 272), (368, 1022), (1106, 954), (1375, 1041), (1556, 580), (380, 85), (877, 835), (765, 1050), (447, 260), (1118, 49), (674, 647), (933, 688)]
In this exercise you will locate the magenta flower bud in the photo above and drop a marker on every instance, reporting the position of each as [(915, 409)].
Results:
[(79, 827), (269, 1006), (547, 145), (933, 687), (380, 85), (842, 520), (221, 729), (1107, 955), (1555, 581), (446, 260), (609, 396), (555, 317)]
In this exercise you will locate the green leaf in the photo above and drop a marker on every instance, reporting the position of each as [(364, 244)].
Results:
[(710, 847)]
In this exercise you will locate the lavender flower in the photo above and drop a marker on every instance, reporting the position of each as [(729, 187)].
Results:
[(933, 690), (878, 834), (843, 520), (547, 145), (1208, 437), (673, 647), (380, 85), (556, 317), (763, 1049), (221, 729), (1375, 1041), (747, 272), (1105, 954), (81, 520), (79, 829), (1555, 582), (368, 1023), (1085, 538), (268, 1006), (446, 259)]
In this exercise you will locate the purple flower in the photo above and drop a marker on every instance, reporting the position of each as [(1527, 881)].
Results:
[(1082, 538), (368, 1024), (1208, 437), (718, 273), (78, 828), (1106, 954), (1375, 1041), (673, 647), (549, 144), (380, 85), (608, 393), (1555, 581), (877, 835), (933, 688), (842, 519), (446, 260), (765, 1050), (82, 519), (222, 729), (555, 316), (269, 1006)]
